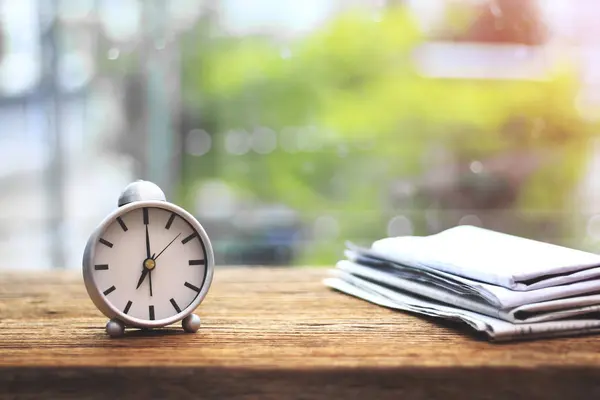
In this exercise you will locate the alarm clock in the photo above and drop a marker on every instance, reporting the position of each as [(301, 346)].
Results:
[(148, 264)]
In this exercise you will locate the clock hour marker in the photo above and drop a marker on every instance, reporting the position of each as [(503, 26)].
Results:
[(127, 307), (145, 212), (170, 221), (109, 290), (187, 239), (123, 226), (151, 312), (175, 306), (189, 285), (101, 267), (197, 262), (106, 243)]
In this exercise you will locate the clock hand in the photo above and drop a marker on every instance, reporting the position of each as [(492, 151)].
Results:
[(150, 281), (147, 243), (144, 273), (171, 242)]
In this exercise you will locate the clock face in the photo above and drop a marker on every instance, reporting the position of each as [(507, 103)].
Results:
[(149, 263)]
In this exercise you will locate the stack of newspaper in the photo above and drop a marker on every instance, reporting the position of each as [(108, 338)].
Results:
[(505, 286)]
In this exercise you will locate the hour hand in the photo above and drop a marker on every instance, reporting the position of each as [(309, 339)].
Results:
[(142, 277)]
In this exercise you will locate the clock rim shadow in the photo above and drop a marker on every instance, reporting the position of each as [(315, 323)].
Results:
[(133, 333)]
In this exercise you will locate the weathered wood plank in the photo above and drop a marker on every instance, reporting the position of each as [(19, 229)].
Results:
[(269, 333)]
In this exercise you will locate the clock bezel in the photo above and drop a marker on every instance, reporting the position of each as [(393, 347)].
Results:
[(106, 307)]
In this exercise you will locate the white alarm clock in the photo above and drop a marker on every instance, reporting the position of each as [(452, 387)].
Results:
[(149, 263)]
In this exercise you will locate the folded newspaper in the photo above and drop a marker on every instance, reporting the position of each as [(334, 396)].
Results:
[(506, 286)]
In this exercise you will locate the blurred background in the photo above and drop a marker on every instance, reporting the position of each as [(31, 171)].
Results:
[(288, 128)]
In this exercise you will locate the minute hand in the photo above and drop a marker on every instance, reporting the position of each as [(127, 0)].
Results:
[(147, 243), (171, 242)]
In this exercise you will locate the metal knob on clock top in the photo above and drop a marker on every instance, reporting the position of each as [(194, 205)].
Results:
[(149, 263)]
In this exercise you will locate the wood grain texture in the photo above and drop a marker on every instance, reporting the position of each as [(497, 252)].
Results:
[(270, 333)]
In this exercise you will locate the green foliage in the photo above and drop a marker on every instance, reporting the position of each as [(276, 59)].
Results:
[(366, 117)]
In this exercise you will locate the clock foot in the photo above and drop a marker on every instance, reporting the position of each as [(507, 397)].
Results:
[(191, 323), (115, 328)]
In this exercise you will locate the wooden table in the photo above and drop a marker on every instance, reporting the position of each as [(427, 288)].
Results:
[(270, 333)]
